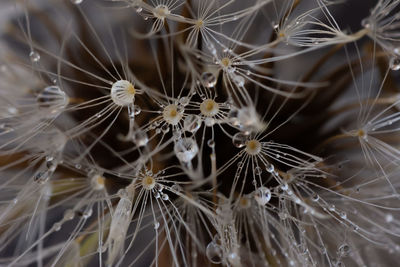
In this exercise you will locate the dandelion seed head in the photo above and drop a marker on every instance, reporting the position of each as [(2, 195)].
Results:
[(209, 107), (253, 147), (98, 182), (161, 11), (199, 24), (225, 62), (172, 114), (148, 182), (123, 93)]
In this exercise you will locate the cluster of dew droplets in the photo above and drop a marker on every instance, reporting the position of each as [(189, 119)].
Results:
[(123, 94), (150, 183)]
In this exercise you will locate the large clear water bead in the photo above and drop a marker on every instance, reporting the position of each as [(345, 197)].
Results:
[(239, 139), (53, 99), (208, 79), (262, 195), (186, 149), (214, 252), (192, 123)]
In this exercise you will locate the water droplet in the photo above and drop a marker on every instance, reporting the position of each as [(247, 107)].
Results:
[(343, 215), (165, 197), (156, 225), (165, 128), (41, 177), (211, 143), (233, 116), (395, 63), (57, 226), (284, 186), (258, 170), (69, 214), (184, 101), (343, 250), (238, 80), (53, 99), (249, 120), (176, 188), (234, 259), (139, 9), (315, 197), (396, 50), (192, 123), (389, 217), (239, 139), (209, 122), (77, 2), (366, 23), (186, 149), (262, 195), (140, 138), (270, 168), (102, 249), (208, 79), (87, 213), (214, 252), (34, 56), (12, 110), (137, 110)]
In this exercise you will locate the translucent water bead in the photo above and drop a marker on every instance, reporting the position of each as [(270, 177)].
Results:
[(123, 93), (262, 195), (140, 138), (395, 63), (240, 139), (208, 79), (214, 252), (186, 149), (53, 99), (247, 119), (192, 123), (34, 56)]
